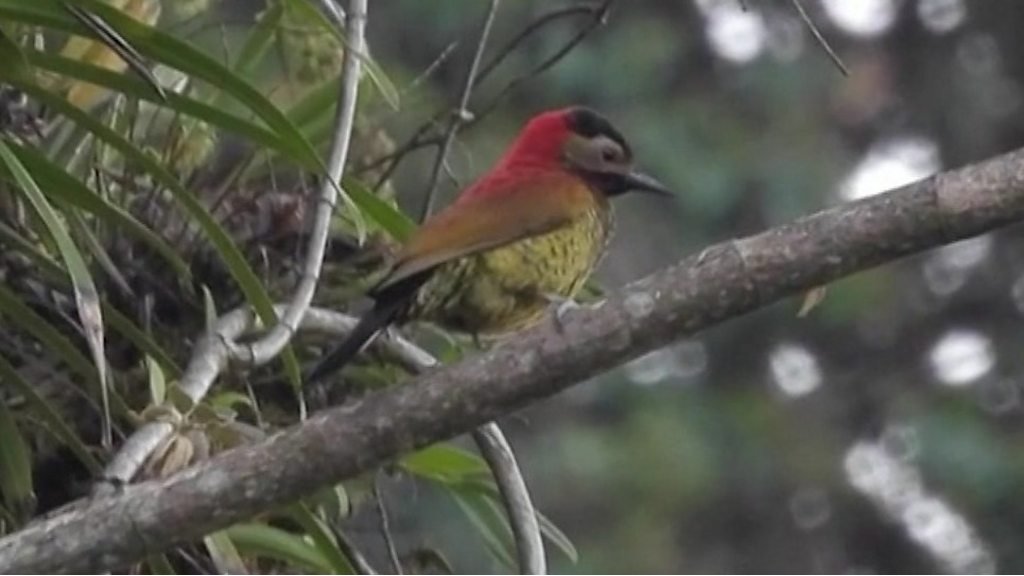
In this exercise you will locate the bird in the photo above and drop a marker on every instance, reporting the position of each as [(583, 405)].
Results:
[(525, 235)]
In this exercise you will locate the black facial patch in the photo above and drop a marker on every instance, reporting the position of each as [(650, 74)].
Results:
[(590, 124)]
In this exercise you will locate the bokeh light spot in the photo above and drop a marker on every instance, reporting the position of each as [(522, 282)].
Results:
[(961, 357), (735, 34), (861, 17), (890, 164), (795, 370), (941, 16)]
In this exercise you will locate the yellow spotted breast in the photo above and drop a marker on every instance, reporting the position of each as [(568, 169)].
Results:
[(508, 288), (496, 262)]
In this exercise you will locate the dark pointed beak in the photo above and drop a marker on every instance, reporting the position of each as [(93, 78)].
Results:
[(641, 182)]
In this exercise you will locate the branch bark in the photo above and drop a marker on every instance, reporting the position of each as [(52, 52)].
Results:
[(725, 281)]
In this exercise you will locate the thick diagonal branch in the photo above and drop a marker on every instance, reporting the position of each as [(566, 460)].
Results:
[(726, 281)]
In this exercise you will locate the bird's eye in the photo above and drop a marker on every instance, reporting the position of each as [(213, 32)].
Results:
[(609, 155)]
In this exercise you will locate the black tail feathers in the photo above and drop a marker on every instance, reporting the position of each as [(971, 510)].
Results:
[(389, 303), (370, 325)]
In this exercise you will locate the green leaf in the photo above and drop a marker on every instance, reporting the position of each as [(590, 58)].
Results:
[(383, 83), (490, 523), (15, 468), (180, 55), (209, 309), (228, 400), (485, 488), (157, 382), (53, 273), (323, 538), (48, 267), (175, 53), (269, 542), (259, 39), (12, 56), (54, 341), (555, 535), (121, 324), (99, 252), (389, 218), (158, 564), (226, 248), (183, 105), (67, 188), (106, 34), (86, 296), (225, 556), (49, 416), (444, 463), (315, 105)]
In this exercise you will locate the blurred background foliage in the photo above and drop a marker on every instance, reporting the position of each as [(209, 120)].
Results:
[(875, 433)]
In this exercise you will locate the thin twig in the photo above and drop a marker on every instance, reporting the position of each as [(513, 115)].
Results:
[(271, 344), (423, 137), (821, 39), (385, 523), (460, 115), (394, 158), (532, 27), (599, 17), (359, 561), (432, 67)]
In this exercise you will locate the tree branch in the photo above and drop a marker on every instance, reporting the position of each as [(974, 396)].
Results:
[(727, 280), (489, 438)]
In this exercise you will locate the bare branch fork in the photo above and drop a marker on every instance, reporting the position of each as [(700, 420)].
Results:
[(731, 279)]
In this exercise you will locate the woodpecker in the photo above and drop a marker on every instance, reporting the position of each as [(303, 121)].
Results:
[(527, 233)]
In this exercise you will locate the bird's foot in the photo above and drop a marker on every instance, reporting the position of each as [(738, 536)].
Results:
[(562, 307), (703, 256)]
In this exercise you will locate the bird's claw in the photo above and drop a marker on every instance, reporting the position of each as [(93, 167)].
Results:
[(563, 306), (703, 256)]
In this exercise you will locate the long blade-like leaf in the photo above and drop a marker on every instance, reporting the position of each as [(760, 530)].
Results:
[(229, 252), (106, 34), (270, 542), (66, 187), (15, 468), (12, 56), (322, 538), (259, 39), (52, 272), (87, 297), (49, 416), (172, 52), (184, 105), (224, 554)]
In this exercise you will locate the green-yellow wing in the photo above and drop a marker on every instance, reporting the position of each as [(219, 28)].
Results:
[(514, 208)]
